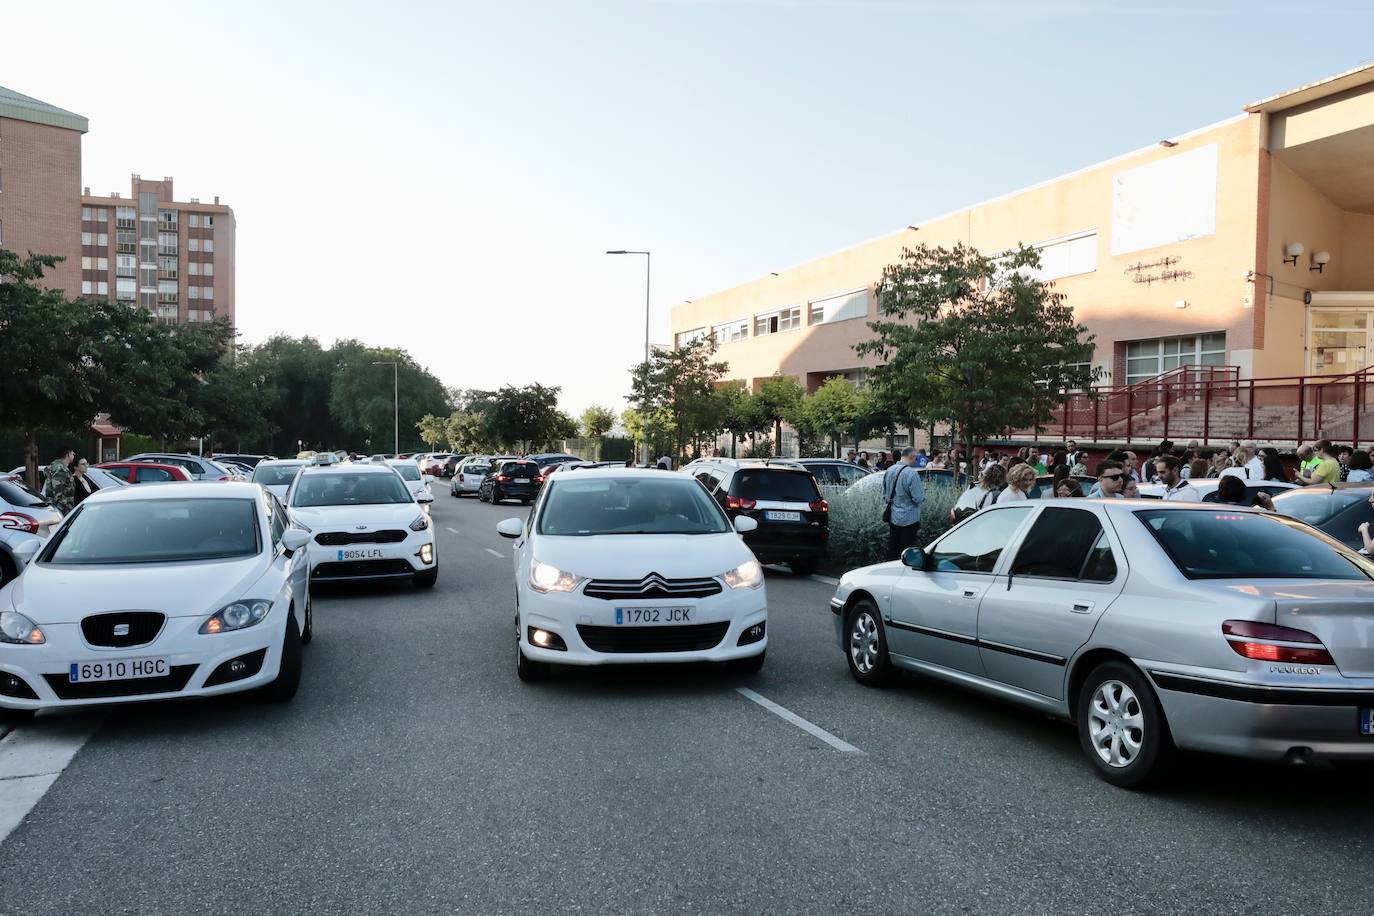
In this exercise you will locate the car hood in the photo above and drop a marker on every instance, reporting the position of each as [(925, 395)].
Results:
[(50, 594), (355, 518), (633, 556)]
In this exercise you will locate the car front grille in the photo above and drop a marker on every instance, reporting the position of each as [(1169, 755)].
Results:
[(689, 638), (651, 586), (340, 538), (121, 629), (174, 681), (357, 569)]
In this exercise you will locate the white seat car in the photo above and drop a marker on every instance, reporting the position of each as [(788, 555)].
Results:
[(275, 475), (415, 481), (467, 477), (363, 524), (146, 593), (632, 566)]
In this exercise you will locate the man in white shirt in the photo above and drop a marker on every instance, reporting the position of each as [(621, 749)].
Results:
[(1254, 466), (1177, 489)]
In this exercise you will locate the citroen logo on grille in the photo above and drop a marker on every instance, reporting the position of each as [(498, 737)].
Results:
[(121, 629)]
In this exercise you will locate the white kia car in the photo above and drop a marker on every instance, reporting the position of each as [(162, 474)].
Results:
[(363, 524), (148, 593), (621, 565), (275, 475), (415, 481)]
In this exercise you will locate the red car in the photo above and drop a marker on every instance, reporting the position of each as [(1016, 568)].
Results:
[(144, 472)]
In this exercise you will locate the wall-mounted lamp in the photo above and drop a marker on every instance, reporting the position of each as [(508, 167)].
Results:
[(773, 273), (1292, 251), (1180, 303), (913, 228), (1319, 260), (1168, 144)]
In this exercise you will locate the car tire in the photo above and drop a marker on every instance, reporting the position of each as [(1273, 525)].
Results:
[(288, 681), (526, 669), (751, 665), (495, 496), (309, 632), (1122, 728), (865, 645), (15, 717), (804, 567), (426, 578)]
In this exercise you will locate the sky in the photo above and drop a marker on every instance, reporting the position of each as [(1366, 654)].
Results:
[(445, 176)]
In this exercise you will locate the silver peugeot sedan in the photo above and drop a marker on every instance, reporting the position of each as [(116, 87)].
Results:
[(1152, 626)]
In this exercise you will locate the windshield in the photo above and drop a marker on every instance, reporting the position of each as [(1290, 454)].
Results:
[(520, 469), (276, 475), (350, 490), (407, 471), (1217, 544), (157, 531), (786, 486), (1316, 505), (576, 506), (20, 496)]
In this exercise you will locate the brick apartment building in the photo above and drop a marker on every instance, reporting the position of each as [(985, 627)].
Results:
[(173, 258)]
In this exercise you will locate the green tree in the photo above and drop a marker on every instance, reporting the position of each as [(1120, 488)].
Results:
[(521, 418), (657, 429), (740, 414), (597, 421), (463, 432), (779, 401), (432, 429), (360, 397), (836, 408), (681, 382), (974, 340)]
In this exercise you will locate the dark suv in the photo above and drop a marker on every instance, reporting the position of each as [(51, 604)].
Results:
[(794, 520), (511, 479)]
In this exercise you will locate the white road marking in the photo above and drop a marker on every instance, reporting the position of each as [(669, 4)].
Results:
[(451, 530), (31, 759), (495, 553), (826, 580), (787, 715)]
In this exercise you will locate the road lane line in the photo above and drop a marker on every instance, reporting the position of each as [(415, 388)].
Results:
[(31, 759), (826, 580), (451, 530), (787, 715), (495, 553)]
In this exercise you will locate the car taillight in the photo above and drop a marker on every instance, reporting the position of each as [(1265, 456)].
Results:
[(539, 479), (819, 505), (737, 502), (18, 521), (226, 478), (460, 478), (1267, 642), (502, 477)]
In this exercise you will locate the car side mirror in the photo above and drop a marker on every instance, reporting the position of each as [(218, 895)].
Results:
[(294, 539), (511, 528), (744, 524), (916, 558), (25, 552)]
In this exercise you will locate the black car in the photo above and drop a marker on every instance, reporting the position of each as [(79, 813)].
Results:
[(544, 459), (451, 464), (793, 518), (518, 479), (248, 461), (1336, 511), (833, 472)]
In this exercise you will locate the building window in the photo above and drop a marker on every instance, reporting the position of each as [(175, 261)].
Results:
[(193, 292), (102, 215), (167, 219), (147, 277), (167, 267), (125, 265), (102, 263), (209, 246), (102, 287), (167, 243), (731, 331), (193, 220), (102, 239), (208, 269), (683, 338), (788, 319), (839, 308), (86, 213), (207, 292), (125, 240), (125, 217), (193, 244), (1148, 358), (126, 290), (87, 287), (193, 268), (87, 238), (147, 203), (1067, 256), (209, 221), (87, 263)]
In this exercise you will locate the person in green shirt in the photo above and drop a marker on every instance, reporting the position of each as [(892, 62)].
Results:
[(1307, 459), (1327, 469)]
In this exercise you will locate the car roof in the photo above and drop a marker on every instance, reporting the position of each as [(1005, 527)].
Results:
[(184, 489), (624, 473), (373, 468), (281, 462)]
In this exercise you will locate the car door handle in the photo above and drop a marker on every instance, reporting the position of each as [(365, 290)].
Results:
[(1083, 607), (970, 593)]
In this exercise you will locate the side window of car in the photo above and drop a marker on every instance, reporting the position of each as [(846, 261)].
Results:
[(852, 475), (975, 545), (121, 473), (825, 474), (1101, 565), (150, 474), (1058, 544), (277, 514), (708, 480)]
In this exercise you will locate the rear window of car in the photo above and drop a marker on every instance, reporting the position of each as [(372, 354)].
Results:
[(520, 469), (1217, 544), (276, 475), (775, 484), (407, 471), (1316, 505), (19, 495), (474, 467)]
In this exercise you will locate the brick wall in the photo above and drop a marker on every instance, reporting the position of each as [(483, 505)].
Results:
[(40, 190)]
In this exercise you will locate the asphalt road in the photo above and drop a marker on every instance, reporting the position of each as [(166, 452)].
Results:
[(414, 774)]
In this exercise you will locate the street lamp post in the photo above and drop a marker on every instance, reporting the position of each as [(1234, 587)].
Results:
[(395, 406), (647, 266)]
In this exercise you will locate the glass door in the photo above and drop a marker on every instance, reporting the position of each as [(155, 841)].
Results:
[(1338, 341)]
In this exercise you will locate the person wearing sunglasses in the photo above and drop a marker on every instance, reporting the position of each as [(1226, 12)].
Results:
[(1111, 476)]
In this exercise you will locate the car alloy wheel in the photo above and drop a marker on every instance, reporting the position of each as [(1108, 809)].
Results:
[(1122, 728), (866, 645)]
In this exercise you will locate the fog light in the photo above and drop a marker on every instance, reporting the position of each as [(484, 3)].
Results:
[(752, 634), (14, 686), (546, 639), (426, 554), (237, 666)]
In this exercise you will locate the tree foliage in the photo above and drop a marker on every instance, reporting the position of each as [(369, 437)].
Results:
[(780, 401), (597, 421), (974, 340), (681, 382), (432, 429)]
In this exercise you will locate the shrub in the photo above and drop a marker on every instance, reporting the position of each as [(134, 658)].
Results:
[(858, 535), (763, 448)]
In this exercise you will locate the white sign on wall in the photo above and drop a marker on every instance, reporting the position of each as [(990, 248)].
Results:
[(1169, 201)]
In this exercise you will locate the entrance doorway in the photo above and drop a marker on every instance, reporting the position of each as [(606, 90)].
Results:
[(1338, 340)]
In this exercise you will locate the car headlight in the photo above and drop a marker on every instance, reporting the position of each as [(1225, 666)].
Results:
[(420, 524), (745, 575), (236, 616), (545, 577), (17, 629)]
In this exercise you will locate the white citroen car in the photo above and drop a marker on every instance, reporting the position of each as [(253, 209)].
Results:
[(149, 593), (275, 475), (415, 481), (625, 566), (363, 524)]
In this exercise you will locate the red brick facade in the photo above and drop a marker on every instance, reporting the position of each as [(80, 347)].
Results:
[(40, 190)]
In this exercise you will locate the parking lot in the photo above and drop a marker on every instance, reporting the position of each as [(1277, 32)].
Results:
[(414, 772)]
